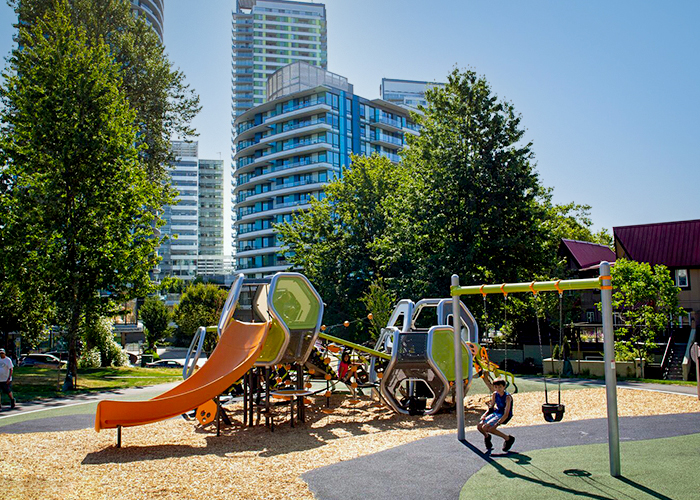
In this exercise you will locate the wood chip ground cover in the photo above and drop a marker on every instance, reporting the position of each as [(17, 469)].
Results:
[(175, 459)]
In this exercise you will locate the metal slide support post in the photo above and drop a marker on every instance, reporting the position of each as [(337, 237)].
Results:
[(610, 371), (459, 385), (245, 399)]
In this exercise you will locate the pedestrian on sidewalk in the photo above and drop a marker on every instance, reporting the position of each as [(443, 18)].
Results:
[(6, 369)]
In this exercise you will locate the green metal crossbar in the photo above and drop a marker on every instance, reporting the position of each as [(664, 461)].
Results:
[(358, 347), (535, 286)]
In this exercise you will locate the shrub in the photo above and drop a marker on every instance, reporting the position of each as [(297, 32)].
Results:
[(90, 359)]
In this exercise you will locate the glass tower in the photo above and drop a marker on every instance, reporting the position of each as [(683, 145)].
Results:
[(152, 11), (211, 217), (179, 251), (269, 34), (288, 148)]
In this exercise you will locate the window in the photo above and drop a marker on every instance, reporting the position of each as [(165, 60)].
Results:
[(682, 278)]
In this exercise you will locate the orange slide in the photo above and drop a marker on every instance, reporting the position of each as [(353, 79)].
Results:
[(237, 350)]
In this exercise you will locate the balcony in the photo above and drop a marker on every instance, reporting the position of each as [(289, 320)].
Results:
[(287, 185), (292, 204), (388, 123), (387, 140), (308, 123), (245, 178), (392, 156), (298, 109)]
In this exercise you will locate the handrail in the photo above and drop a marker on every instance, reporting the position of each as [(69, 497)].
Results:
[(666, 357), (355, 346)]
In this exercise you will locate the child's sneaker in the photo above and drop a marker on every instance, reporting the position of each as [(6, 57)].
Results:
[(508, 444), (488, 443)]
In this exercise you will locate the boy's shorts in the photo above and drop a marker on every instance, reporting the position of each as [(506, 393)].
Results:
[(6, 387), (494, 418)]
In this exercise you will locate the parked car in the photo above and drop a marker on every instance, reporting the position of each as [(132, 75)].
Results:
[(42, 361), (62, 355), (165, 363)]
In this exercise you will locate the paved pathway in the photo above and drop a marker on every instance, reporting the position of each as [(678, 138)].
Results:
[(437, 467), (70, 413), (689, 390)]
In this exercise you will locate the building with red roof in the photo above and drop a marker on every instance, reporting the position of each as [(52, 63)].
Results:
[(673, 244)]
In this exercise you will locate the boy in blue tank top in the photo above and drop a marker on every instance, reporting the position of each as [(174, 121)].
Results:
[(499, 413)]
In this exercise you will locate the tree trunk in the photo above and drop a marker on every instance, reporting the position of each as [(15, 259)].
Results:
[(72, 369)]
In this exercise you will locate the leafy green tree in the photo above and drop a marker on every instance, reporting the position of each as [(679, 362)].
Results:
[(98, 333), (156, 318), (23, 309), (163, 102), (645, 297), (380, 302), (472, 202), (200, 305), (334, 242), (77, 209), (465, 199), (572, 221)]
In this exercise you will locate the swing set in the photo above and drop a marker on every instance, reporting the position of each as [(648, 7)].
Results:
[(551, 412)]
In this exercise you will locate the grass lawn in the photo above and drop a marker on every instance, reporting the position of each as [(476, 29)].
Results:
[(30, 383), (656, 468)]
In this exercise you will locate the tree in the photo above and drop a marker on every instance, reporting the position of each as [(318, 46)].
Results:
[(334, 242), (200, 305), (465, 199), (472, 203), (164, 104), (156, 318), (77, 208), (380, 303), (646, 298), (98, 333)]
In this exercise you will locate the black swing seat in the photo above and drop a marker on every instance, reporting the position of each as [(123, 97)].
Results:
[(553, 412)]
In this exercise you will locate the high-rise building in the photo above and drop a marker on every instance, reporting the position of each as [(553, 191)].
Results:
[(269, 34), (290, 146), (195, 224), (152, 11), (406, 93), (179, 252), (211, 218)]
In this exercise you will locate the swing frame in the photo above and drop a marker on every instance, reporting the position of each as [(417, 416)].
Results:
[(604, 283)]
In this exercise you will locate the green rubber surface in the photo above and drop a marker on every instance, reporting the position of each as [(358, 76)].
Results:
[(655, 468)]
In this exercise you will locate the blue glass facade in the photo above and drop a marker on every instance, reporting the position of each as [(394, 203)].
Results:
[(287, 149)]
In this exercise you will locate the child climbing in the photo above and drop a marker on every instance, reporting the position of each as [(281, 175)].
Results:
[(499, 413)]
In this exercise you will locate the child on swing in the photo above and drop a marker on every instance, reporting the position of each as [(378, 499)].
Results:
[(499, 413)]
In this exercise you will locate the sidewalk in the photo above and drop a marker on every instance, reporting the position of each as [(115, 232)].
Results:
[(688, 390), (69, 413)]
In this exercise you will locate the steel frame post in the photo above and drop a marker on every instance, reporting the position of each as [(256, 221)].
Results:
[(457, 337), (610, 370)]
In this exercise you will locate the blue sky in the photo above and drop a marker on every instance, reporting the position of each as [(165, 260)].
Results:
[(609, 91)]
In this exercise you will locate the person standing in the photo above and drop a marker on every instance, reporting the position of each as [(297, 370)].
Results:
[(6, 369)]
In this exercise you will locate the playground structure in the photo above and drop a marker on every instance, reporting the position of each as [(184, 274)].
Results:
[(269, 328), (420, 376)]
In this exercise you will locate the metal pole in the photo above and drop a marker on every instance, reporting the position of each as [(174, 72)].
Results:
[(459, 385), (610, 371)]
